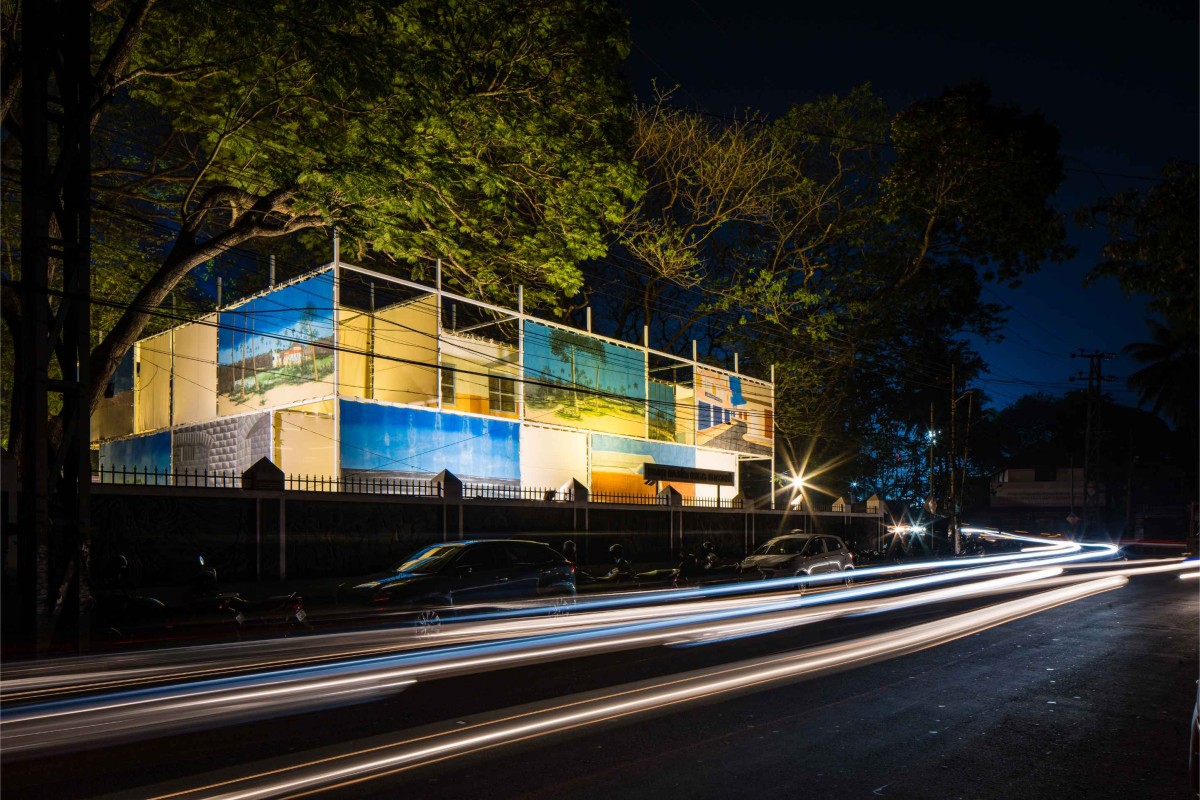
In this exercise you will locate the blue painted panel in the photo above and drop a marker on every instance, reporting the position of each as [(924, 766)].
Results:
[(139, 458), (676, 455), (400, 439)]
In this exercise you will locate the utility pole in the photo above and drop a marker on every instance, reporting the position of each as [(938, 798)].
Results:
[(1093, 433), (54, 534), (931, 503), (956, 486)]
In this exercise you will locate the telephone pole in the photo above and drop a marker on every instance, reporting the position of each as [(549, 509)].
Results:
[(56, 106), (954, 498), (1093, 433)]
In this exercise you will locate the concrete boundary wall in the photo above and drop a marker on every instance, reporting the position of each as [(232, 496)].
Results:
[(326, 534)]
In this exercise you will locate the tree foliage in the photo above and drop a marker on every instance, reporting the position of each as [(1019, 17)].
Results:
[(847, 247), (489, 134), (1153, 243)]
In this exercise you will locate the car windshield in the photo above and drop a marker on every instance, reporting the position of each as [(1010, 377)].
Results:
[(428, 561), (781, 547)]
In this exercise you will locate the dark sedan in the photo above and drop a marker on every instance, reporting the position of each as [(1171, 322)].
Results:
[(466, 573)]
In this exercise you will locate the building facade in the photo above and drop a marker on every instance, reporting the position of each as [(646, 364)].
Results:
[(346, 373)]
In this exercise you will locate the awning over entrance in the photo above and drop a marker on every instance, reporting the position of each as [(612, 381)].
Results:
[(666, 472)]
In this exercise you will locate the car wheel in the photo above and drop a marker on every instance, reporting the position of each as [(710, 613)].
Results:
[(559, 605), (803, 586), (428, 622)]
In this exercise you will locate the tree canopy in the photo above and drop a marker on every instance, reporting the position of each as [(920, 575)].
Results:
[(490, 135), (1154, 238)]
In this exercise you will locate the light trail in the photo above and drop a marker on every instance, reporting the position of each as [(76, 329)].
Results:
[(72, 676), (380, 761), (133, 714), (94, 720)]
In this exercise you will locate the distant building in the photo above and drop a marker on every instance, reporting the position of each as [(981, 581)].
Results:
[(290, 357)]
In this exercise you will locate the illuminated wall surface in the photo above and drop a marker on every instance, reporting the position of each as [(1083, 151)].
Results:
[(195, 384), (551, 458), (395, 441), (277, 349), (152, 383), (732, 413), (306, 440), (611, 397), (139, 457)]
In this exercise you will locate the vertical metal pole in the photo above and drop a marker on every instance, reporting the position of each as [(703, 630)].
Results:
[(337, 247), (735, 363), (589, 319), (271, 271), (369, 390), (335, 390), (282, 538), (438, 372), (34, 512), (218, 291), (258, 515), (521, 353), (773, 468)]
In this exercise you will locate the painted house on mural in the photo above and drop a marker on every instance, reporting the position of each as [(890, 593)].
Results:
[(348, 373)]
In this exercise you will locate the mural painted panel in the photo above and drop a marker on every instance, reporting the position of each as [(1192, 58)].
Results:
[(113, 416), (398, 441), (733, 414), (278, 348), (617, 463), (580, 381), (223, 446), (672, 406), (139, 459)]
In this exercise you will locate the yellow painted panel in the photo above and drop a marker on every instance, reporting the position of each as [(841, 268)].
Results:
[(196, 372), (152, 383), (304, 441), (406, 350), (354, 339)]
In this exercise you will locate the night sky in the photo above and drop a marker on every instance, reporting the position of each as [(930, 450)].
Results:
[(1119, 80)]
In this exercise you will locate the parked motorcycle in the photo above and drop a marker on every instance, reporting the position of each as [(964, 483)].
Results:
[(204, 597), (122, 616)]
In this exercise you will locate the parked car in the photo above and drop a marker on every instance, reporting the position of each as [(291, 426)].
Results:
[(466, 573), (800, 554)]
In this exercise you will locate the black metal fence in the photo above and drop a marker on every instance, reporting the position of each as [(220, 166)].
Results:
[(405, 487)]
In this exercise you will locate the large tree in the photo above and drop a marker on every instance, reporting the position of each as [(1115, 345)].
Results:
[(489, 134), (1154, 236), (854, 255)]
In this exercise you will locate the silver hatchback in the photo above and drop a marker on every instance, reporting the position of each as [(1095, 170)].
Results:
[(800, 554)]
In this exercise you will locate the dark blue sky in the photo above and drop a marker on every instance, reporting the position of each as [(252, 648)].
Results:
[(1119, 80)]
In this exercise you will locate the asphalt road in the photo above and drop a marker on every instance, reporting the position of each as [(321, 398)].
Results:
[(1090, 699)]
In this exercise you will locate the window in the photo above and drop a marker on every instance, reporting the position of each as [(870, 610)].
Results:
[(833, 545), (480, 556), (787, 546), (816, 547), (502, 394), (448, 387), (530, 554), (1045, 474)]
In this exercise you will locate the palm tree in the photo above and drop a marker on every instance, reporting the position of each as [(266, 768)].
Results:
[(1168, 381)]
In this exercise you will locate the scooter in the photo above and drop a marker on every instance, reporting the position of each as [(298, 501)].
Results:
[(204, 597)]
